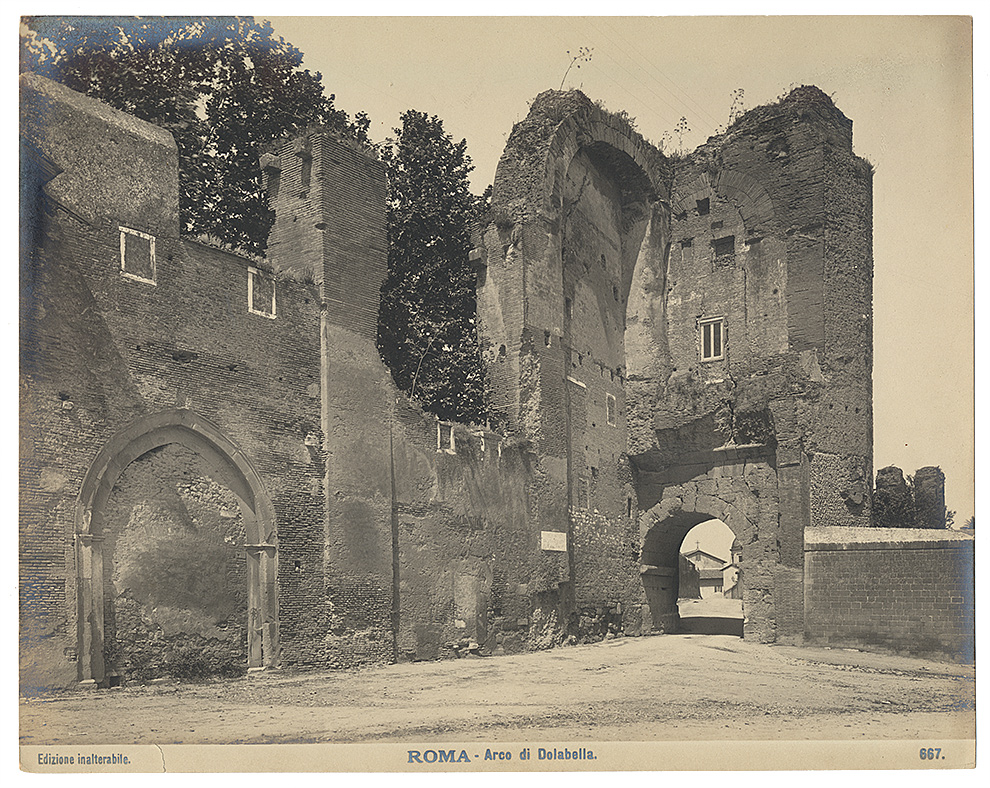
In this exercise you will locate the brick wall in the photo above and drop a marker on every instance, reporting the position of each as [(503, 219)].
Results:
[(905, 589), (100, 350), (784, 183), (330, 228), (574, 216), (465, 549)]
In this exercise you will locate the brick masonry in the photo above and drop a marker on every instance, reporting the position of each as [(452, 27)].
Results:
[(100, 350), (904, 589)]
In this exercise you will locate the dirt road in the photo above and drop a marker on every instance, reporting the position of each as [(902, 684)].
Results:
[(676, 687)]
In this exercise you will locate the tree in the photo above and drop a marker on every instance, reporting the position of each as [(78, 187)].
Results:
[(426, 328), (223, 86)]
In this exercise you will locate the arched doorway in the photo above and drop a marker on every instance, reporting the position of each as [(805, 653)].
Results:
[(232, 482), (709, 583), (740, 490)]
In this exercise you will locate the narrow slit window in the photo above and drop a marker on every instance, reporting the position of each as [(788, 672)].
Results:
[(610, 409), (712, 339), (261, 293), (305, 175), (137, 255)]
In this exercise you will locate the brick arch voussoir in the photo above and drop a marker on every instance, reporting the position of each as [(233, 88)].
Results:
[(585, 129), (685, 197), (748, 194), (228, 462), (664, 525)]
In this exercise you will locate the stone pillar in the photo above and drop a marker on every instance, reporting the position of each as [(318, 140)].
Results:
[(262, 616), (89, 562), (892, 503)]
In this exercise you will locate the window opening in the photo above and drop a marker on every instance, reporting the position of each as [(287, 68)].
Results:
[(261, 293), (445, 437), (137, 255), (725, 250), (610, 409), (712, 339), (306, 174)]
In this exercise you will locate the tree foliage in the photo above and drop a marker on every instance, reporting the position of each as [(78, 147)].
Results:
[(223, 86), (426, 329)]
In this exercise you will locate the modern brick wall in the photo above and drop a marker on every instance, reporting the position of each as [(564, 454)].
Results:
[(905, 589)]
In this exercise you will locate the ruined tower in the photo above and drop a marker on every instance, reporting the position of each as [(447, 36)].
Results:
[(329, 196), (762, 400), (579, 215), (685, 340)]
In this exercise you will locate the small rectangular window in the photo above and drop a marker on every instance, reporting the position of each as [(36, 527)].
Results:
[(712, 339), (137, 255), (261, 293), (610, 409), (445, 437), (725, 250)]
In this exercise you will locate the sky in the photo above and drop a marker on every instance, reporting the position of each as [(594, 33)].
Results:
[(906, 83)]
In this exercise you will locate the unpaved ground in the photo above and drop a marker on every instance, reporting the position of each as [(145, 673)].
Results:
[(651, 688), (715, 605)]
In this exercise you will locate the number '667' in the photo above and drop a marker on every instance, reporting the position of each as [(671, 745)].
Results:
[(930, 753)]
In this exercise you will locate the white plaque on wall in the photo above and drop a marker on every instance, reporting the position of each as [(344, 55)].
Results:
[(554, 540)]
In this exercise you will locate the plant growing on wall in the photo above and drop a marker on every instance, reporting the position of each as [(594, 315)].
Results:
[(583, 55), (426, 326), (223, 87)]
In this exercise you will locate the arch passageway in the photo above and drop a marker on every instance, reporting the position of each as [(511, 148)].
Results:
[(741, 491)]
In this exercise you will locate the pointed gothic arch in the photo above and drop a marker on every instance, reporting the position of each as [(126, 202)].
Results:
[(230, 466)]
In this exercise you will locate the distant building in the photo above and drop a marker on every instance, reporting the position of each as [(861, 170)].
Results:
[(710, 571)]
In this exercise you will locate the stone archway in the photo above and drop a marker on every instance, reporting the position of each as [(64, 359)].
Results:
[(739, 487), (231, 467)]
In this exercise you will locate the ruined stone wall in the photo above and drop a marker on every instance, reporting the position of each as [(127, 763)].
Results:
[(917, 502), (608, 593), (603, 527), (594, 309), (465, 553), (843, 429), (772, 232), (101, 349), (329, 200), (470, 566), (576, 212), (905, 589)]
